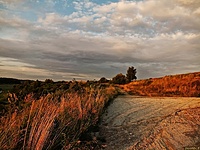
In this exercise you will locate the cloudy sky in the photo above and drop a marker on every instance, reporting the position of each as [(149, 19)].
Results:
[(89, 39)]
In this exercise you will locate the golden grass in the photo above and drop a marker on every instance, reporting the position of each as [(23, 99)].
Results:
[(176, 85), (53, 122)]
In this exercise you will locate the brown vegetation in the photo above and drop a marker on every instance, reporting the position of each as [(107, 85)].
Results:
[(176, 85), (53, 121)]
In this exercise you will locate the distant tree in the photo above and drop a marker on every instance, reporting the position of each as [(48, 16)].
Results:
[(36, 84), (103, 80), (131, 74), (48, 81), (119, 79)]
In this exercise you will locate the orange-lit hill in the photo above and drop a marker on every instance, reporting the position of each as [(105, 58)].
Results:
[(172, 85)]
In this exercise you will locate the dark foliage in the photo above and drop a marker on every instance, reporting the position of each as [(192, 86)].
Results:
[(103, 80), (9, 81), (131, 74), (119, 79)]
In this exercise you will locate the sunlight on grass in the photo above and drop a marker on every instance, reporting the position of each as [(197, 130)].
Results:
[(53, 122)]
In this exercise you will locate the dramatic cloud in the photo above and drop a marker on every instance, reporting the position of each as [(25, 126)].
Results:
[(90, 39)]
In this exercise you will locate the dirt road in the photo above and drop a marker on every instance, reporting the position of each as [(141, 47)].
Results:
[(151, 123)]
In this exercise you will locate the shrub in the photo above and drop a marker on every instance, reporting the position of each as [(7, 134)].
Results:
[(119, 79), (103, 80)]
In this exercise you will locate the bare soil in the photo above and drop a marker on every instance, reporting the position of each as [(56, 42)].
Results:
[(160, 123)]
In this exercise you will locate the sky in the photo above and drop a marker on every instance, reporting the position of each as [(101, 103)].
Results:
[(90, 39)]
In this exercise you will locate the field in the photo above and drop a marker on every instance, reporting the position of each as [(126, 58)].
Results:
[(4, 88), (68, 114)]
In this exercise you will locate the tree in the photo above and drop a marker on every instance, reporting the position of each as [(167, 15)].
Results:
[(48, 81), (119, 79), (103, 80), (131, 74)]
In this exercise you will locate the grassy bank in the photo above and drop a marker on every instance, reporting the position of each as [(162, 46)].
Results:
[(184, 85), (55, 120)]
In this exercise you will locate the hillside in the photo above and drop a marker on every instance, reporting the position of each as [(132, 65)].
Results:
[(173, 85), (9, 81)]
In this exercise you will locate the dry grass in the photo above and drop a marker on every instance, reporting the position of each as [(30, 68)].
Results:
[(176, 85), (53, 122)]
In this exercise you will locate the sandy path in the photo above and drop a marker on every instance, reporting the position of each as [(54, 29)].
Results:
[(151, 123)]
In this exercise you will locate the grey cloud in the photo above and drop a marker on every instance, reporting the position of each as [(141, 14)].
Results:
[(156, 44), (149, 60), (13, 23)]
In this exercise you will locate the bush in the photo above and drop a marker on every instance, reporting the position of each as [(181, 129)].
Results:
[(103, 80), (119, 79)]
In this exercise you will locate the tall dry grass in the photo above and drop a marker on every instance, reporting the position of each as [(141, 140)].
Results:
[(53, 122)]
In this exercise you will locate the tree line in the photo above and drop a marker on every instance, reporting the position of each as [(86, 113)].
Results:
[(121, 78)]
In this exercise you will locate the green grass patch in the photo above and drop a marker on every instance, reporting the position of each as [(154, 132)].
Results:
[(6, 87)]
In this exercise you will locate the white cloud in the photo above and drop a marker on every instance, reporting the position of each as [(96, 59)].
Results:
[(104, 9), (146, 18), (50, 18), (190, 4)]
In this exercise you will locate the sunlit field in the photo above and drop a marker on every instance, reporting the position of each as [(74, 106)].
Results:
[(68, 114)]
